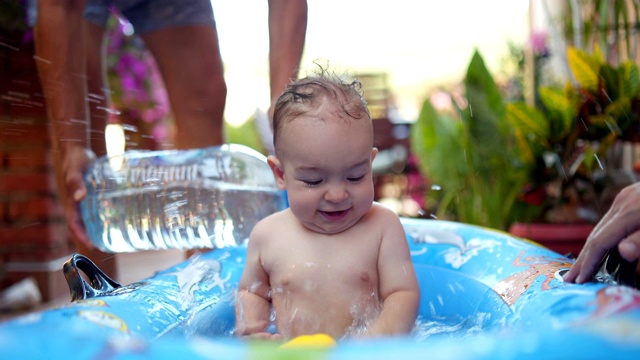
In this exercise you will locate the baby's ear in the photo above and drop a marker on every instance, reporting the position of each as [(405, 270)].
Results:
[(374, 152), (278, 171)]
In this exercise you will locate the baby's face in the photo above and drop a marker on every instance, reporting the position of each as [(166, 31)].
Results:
[(327, 171)]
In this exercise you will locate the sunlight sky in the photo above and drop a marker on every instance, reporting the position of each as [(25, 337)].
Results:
[(418, 43)]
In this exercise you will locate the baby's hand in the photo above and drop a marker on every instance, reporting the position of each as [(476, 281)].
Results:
[(264, 336), (257, 331)]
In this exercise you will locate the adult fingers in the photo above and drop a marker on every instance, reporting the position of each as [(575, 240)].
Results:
[(598, 243), (618, 228), (76, 191), (77, 228), (629, 248), (586, 264)]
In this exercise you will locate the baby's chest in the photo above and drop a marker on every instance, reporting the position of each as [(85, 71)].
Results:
[(313, 272)]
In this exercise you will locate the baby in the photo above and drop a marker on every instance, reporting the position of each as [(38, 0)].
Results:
[(334, 262)]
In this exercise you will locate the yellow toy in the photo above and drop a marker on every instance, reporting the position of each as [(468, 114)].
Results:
[(316, 341)]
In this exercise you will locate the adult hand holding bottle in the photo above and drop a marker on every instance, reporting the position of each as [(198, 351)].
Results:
[(75, 161)]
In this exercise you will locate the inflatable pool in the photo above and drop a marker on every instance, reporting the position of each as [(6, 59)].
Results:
[(485, 295)]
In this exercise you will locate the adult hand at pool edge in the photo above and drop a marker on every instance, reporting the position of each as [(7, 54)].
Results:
[(620, 227)]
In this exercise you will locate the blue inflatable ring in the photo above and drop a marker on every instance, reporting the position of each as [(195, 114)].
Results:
[(495, 296)]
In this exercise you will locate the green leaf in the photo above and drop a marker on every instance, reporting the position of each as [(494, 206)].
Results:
[(439, 137), (527, 119), (525, 151), (603, 12), (484, 115), (619, 109), (562, 111), (245, 134), (601, 120), (636, 25), (479, 77), (589, 158), (584, 68), (611, 83), (622, 12), (630, 78), (606, 143), (531, 130)]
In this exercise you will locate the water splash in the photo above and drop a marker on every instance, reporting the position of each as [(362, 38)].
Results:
[(199, 277), (453, 328), (363, 317), (598, 160), (584, 124)]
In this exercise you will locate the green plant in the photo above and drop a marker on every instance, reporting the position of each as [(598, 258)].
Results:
[(496, 162), (245, 134), (608, 26), (469, 152), (564, 141)]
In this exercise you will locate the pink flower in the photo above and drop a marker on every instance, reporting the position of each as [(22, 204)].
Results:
[(538, 43), (139, 92), (159, 132)]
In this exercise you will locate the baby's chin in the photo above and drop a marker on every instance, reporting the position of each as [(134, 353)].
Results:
[(328, 227)]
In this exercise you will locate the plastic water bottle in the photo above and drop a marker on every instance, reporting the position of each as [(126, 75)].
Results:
[(178, 199)]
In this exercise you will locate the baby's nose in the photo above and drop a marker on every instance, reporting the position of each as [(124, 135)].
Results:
[(336, 193)]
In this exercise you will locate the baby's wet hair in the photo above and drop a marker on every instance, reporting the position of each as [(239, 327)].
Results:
[(308, 94)]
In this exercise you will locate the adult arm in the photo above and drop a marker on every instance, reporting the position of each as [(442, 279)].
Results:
[(61, 67), (619, 227)]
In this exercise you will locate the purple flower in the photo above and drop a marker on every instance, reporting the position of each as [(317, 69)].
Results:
[(159, 132), (138, 67), (151, 115), (538, 43), (137, 79)]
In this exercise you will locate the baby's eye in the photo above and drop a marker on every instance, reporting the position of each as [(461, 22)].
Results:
[(311, 182), (355, 178)]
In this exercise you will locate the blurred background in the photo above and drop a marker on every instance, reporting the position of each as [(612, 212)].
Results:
[(419, 46), (520, 115)]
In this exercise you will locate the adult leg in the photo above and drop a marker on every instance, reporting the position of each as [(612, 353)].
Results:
[(189, 59), (61, 67), (287, 31), (58, 40), (98, 97)]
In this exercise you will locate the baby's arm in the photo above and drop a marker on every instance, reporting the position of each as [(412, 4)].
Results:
[(253, 304), (398, 286)]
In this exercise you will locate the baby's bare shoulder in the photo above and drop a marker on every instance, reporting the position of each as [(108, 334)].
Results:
[(271, 223), (380, 213), (384, 221)]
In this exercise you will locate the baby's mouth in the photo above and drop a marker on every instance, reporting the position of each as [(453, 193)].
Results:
[(334, 215)]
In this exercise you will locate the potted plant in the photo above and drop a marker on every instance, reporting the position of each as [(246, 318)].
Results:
[(528, 168), (565, 142), (467, 151)]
